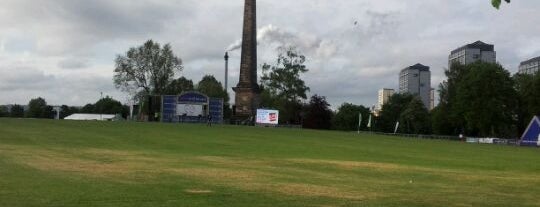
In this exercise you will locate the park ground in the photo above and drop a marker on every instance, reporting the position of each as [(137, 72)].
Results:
[(71, 163)]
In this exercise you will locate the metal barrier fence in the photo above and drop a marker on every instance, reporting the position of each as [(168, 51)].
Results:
[(497, 141)]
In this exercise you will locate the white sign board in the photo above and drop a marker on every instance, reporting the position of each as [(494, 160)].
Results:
[(267, 116), (189, 110)]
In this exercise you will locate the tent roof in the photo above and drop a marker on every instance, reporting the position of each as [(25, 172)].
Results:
[(98, 117), (533, 130)]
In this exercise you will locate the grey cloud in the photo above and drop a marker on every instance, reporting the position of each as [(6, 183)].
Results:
[(73, 63), (347, 62)]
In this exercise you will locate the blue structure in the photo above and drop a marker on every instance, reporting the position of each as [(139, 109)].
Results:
[(191, 107), (532, 134)]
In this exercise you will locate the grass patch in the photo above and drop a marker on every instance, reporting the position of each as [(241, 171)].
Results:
[(65, 163)]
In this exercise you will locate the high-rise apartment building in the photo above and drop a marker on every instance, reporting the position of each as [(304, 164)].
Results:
[(416, 80), (471, 53), (384, 96), (531, 66)]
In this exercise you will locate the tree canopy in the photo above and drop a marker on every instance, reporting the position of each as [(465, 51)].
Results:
[(38, 108), (17, 111), (497, 3), (318, 114), (347, 117), (283, 80), (282, 86), (179, 86), (147, 69), (211, 87)]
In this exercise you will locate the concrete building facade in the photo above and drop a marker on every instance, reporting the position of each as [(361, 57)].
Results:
[(384, 96), (471, 53), (531, 66), (416, 80)]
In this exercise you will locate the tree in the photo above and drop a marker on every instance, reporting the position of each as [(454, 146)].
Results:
[(283, 79), (497, 3), (391, 112), (147, 69), (17, 111), (108, 105), (88, 109), (486, 97), (67, 111), (347, 117), (211, 87), (414, 118), (440, 121), (318, 113), (179, 86), (4, 111), (38, 108), (528, 95), (282, 86), (447, 118)]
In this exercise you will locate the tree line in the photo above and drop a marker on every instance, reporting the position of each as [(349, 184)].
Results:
[(479, 99)]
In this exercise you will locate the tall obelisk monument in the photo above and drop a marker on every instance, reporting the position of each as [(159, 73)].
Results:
[(247, 91)]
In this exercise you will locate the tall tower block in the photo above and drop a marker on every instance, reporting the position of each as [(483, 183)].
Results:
[(247, 91)]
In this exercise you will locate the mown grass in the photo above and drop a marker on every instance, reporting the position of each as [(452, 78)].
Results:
[(69, 163)]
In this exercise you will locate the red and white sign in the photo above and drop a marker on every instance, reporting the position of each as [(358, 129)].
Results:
[(265, 116)]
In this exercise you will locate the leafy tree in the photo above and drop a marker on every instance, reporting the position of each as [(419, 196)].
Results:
[(497, 3), (38, 108), (283, 79), (211, 87), (347, 117), (17, 111), (179, 86), (147, 69), (448, 119), (528, 96), (391, 112), (486, 97), (282, 86), (67, 111), (414, 118), (88, 109), (108, 105), (318, 113), (4, 111), (440, 121)]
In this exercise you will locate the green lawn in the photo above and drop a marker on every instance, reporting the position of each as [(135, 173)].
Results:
[(66, 163)]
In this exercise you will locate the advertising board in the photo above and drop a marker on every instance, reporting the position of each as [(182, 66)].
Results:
[(265, 116)]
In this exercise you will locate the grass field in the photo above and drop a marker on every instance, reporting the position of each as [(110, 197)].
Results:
[(64, 163)]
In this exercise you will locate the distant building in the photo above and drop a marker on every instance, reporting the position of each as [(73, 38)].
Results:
[(432, 99), (416, 80), (531, 66), (384, 96), (471, 53)]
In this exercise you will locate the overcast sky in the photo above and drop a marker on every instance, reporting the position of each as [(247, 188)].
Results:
[(64, 50)]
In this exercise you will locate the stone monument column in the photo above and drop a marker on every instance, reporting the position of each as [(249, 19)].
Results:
[(247, 91)]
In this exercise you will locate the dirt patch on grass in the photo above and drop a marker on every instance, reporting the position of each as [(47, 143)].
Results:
[(350, 165), (118, 165), (195, 191), (263, 180)]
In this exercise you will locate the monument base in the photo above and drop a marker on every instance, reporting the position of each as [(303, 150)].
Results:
[(247, 101)]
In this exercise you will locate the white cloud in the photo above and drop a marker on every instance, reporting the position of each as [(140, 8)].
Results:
[(67, 47)]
